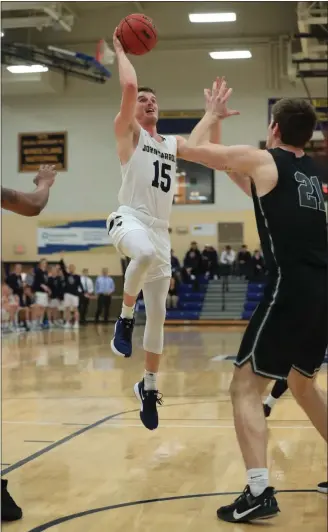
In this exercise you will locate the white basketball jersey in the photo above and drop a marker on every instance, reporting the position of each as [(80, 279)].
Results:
[(148, 179)]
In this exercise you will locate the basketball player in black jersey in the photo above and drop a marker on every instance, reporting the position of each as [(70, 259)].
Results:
[(287, 335), (26, 204)]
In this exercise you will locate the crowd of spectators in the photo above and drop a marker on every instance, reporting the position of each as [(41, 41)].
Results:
[(56, 296), (52, 296), (212, 265)]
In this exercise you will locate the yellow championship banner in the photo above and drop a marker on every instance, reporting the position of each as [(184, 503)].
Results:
[(35, 149)]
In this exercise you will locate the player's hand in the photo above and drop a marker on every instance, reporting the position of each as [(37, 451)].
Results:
[(45, 176), (217, 99), (208, 92), (117, 43)]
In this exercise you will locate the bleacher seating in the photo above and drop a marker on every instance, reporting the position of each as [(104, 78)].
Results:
[(190, 302), (254, 295)]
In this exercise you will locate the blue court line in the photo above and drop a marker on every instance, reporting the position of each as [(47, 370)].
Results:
[(60, 520)]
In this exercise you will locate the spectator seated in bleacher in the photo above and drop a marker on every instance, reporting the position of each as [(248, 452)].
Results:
[(244, 259), (192, 266), (257, 267), (172, 296), (210, 262), (175, 265)]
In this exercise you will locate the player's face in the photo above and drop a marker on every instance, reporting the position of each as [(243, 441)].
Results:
[(147, 108)]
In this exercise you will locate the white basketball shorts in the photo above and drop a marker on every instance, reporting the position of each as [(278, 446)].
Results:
[(56, 303), (71, 301), (41, 299), (125, 220)]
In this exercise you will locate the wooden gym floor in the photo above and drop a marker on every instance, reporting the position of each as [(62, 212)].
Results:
[(78, 459)]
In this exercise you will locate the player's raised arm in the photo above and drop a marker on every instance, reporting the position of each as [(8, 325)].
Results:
[(30, 203), (125, 120), (241, 180), (233, 159)]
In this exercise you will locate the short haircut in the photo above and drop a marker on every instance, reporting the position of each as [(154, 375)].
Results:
[(296, 119), (146, 89)]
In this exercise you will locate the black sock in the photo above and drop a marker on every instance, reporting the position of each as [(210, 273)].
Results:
[(279, 388)]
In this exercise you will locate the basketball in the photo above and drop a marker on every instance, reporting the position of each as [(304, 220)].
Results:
[(137, 33)]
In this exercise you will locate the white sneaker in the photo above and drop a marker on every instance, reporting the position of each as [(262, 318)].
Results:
[(67, 325), (76, 325)]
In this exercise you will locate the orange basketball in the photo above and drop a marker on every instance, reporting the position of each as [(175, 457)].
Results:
[(137, 33)]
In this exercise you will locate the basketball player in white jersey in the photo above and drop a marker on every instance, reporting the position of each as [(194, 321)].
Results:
[(139, 228)]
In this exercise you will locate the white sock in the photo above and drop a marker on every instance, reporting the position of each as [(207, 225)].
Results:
[(258, 480), (270, 401), (150, 380), (127, 312)]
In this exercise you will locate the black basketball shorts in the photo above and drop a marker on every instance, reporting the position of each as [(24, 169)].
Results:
[(289, 328)]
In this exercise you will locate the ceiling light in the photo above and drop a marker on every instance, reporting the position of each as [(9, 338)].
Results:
[(212, 17), (26, 69), (232, 54)]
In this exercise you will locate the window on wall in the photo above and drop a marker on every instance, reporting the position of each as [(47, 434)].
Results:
[(194, 184)]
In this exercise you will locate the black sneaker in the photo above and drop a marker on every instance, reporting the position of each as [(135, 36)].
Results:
[(249, 508), (323, 487), (267, 410), (9, 509), (121, 344), (149, 400)]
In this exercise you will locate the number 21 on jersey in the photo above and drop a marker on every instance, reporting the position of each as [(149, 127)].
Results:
[(310, 192)]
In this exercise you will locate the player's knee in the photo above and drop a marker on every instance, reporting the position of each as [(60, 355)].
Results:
[(242, 381), (154, 341)]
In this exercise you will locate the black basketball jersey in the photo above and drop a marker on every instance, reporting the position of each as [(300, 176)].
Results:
[(291, 219)]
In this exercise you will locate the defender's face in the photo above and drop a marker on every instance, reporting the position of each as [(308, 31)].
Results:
[(147, 108)]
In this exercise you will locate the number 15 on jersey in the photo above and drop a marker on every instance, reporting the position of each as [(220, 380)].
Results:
[(162, 178)]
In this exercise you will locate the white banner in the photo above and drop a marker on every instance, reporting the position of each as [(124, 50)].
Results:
[(72, 236)]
